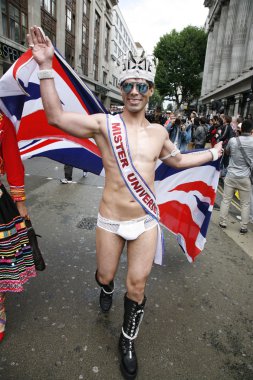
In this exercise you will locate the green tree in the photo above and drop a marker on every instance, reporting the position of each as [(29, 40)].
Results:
[(156, 100), (181, 57)]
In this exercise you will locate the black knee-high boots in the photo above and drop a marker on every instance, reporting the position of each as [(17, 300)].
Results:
[(132, 318), (105, 299)]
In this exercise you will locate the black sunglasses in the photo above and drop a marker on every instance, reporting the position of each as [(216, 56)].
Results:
[(142, 88)]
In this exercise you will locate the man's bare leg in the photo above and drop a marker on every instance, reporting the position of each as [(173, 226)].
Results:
[(108, 247), (141, 254)]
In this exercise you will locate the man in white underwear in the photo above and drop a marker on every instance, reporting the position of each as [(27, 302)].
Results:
[(121, 217)]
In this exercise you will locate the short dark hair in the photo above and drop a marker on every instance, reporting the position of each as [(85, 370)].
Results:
[(227, 118), (247, 126), (196, 121), (202, 120)]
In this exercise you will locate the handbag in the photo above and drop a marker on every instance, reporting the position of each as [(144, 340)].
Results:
[(37, 256), (246, 158)]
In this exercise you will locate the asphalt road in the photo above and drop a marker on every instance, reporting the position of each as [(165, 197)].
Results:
[(198, 317)]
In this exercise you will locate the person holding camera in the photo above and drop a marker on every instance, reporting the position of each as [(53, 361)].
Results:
[(179, 133)]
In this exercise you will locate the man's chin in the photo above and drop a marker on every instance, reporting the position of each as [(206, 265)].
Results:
[(134, 108)]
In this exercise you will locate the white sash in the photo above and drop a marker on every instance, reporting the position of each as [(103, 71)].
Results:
[(141, 192)]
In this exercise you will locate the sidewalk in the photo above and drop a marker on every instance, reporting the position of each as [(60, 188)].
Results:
[(232, 230)]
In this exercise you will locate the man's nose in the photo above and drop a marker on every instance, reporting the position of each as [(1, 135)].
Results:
[(134, 90)]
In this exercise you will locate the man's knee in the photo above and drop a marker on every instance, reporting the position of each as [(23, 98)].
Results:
[(136, 287), (104, 277)]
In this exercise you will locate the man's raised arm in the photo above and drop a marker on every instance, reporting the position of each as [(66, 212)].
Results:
[(171, 156), (75, 124)]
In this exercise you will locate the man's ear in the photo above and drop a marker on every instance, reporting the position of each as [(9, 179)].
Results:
[(152, 89)]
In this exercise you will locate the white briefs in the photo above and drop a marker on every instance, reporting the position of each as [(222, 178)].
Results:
[(129, 229)]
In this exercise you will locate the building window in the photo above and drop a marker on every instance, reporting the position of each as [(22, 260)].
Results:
[(96, 45), (115, 47), (70, 16), (49, 6), (48, 18), (70, 32), (114, 81), (107, 42), (85, 7), (85, 36), (104, 78), (14, 20), (69, 20)]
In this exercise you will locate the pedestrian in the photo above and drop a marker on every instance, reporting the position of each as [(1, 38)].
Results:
[(16, 260), (128, 143), (215, 126), (179, 133), (194, 123), (225, 133), (68, 174), (200, 134), (237, 177), (168, 118)]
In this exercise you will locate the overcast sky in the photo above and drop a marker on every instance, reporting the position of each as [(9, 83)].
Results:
[(148, 20)]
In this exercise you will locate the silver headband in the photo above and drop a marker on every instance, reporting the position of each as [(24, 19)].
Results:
[(138, 67)]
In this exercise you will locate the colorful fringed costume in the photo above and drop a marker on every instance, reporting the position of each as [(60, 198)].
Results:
[(16, 261)]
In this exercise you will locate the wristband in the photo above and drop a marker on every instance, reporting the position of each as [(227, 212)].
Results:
[(215, 154), (46, 74)]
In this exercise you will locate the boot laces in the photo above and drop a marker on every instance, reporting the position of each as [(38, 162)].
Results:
[(133, 325)]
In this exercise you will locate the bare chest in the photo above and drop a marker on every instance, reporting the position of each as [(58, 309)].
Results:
[(143, 146)]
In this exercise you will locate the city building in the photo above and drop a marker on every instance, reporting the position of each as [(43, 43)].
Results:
[(91, 34), (228, 72), (122, 42)]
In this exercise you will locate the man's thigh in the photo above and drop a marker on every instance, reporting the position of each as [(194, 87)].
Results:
[(229, 190), (109, 247), (140, 254)]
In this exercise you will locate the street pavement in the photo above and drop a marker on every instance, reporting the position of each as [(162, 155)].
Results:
[(198, 317)]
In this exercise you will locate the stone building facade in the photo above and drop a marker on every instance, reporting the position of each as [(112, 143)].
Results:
[(228, 72), (84, 31)]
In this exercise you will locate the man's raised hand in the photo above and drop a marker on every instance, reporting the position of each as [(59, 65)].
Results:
[(42, 48)]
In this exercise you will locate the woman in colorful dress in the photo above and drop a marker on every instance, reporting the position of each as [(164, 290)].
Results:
[(16, 261)]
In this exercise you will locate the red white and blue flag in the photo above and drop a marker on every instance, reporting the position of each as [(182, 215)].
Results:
[(185, 197), (21, 101)]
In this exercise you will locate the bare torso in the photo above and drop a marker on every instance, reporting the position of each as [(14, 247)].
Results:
[(145, 144)]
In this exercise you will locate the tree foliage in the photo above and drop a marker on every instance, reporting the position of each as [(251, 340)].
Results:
[(181, 57), (156, 100)]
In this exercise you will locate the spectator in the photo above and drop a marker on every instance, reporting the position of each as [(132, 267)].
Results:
[(237, 177), (200, 134), (68, 172), (194, 124), (168, 118), (225, 133), (179, 133), (234, 125), (159, 118), (215, 125)]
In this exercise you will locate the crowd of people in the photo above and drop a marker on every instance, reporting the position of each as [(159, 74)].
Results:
[(199, 132)]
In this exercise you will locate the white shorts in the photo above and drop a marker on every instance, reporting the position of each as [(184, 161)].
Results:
[(128, 230)]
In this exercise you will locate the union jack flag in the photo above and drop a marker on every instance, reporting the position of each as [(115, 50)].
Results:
[(185, 197)]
